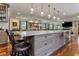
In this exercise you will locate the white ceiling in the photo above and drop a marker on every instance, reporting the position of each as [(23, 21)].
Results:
[(71, 9)]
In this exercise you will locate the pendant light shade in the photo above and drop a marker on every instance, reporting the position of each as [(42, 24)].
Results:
[(32, 9), (54, 17), (42, 13), (49, 15), (58, 18)]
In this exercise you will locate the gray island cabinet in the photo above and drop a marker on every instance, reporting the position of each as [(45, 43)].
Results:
[(46, 42)]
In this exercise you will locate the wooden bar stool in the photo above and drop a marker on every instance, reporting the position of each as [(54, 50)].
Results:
[(18, 49)]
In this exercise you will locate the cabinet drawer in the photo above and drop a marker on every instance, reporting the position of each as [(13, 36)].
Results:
[(50, 41), (41, 52), (40, 38), (44, 51), (40, 44)]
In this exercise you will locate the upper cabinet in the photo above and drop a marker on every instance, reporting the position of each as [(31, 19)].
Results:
[(4, 12)]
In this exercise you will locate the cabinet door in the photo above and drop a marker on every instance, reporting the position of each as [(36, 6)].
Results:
[(50, 39), (55, 42), (41, 52), (40, 41), (61, 39), (40, 44), (49, 49)]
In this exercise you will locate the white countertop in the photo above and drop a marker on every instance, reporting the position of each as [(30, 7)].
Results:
[(33, 33)]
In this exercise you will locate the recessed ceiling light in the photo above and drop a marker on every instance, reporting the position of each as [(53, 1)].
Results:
[(31, 21), (77, 16), (36, 21), (18, 13), (16, 17)]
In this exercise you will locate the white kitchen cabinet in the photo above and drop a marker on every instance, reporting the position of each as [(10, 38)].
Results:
[(4, 12), (41, 52), (41, 44), (40, 41)]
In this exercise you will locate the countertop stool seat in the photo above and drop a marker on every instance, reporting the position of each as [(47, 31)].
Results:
[(22, 51)]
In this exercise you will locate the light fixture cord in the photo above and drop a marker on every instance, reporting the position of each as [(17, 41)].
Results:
[(31, 5), (49, 8), (54, 11), (58, 13), (41, 6)]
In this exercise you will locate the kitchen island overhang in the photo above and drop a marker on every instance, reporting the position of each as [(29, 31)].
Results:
[(33, 33)]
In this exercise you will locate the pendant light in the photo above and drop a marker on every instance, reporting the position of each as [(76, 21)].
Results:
[(42, 13), (58, 18), (54, 17), (49, 15), (32, 9)]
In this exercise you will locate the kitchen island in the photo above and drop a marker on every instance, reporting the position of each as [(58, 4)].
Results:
[(46, 42)]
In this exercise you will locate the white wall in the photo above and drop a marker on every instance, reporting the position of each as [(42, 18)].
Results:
[(41, 21), (75, 27), (4, 25)]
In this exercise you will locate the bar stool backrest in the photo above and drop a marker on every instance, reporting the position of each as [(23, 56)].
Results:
[(11, 37)]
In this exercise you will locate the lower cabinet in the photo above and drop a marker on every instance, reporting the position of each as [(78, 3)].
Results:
[(48, 43), (44, 51), (41, 52)]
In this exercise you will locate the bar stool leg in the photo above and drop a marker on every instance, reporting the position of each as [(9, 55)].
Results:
[(15, 53), (22, 53), (11, 53), (18, 53), (25, 53)]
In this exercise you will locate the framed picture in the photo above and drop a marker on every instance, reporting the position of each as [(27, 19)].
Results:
[(14, 24)]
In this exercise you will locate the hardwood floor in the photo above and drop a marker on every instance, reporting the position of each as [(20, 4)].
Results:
[(4, 49), (70, 49)]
